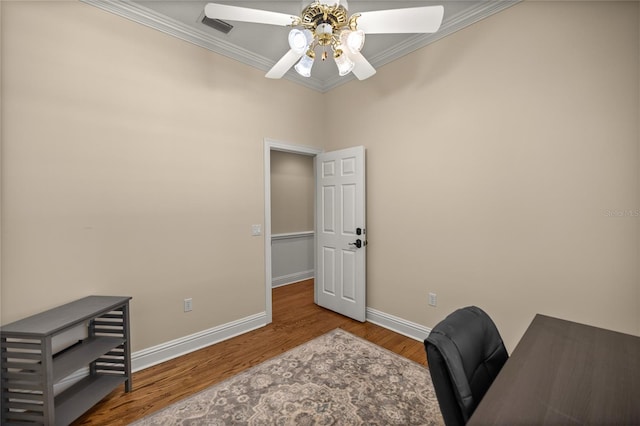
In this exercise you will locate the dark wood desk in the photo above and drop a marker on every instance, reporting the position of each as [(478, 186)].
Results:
[(562, 372)]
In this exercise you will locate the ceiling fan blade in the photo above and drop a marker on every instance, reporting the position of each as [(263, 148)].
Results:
[(409, 20), (362, 69), (284, 64), (243, 14)]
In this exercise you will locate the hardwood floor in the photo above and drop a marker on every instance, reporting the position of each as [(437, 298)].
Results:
[(296, 320)]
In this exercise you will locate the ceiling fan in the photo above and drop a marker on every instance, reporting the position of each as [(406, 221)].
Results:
[(326, 24)]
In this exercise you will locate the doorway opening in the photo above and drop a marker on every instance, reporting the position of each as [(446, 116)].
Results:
[(271, 145)]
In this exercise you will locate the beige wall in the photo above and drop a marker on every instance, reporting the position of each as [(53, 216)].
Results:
[(133, 165), (292, 192), (496, 158)]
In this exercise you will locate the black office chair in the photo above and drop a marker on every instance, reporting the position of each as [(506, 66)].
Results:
[(465, 353)]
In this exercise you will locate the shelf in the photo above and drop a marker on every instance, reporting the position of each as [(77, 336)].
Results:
[(32, 369), (81, 354), (58, 319), (74, 401)]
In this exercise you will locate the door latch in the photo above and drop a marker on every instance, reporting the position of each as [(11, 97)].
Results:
[(358, 243)]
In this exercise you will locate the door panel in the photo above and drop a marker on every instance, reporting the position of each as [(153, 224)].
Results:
[(349, 276), (340, 211), (328, 285), (349, 209), (328, 211)]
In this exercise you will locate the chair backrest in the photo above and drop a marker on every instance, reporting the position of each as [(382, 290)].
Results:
[(465, 353)]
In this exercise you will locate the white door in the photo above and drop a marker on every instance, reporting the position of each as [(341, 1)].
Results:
[(340, 232)]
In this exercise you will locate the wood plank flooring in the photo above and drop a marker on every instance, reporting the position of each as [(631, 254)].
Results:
[(296, 320)]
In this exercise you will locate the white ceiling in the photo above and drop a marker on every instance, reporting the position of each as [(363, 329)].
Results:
[(261, 46)]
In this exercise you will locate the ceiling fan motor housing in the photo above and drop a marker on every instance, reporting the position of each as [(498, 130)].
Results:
[(323, 16)]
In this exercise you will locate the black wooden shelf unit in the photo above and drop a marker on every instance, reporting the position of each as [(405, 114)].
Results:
[(30, 368)]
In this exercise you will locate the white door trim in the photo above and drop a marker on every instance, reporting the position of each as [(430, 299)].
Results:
[(273, 145)]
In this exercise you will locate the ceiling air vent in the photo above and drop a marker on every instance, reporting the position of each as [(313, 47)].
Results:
[(217, 24)]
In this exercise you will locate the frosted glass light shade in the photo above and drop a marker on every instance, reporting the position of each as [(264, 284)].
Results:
[(344, 63), (299, 40), (303, 67), (352, 40)]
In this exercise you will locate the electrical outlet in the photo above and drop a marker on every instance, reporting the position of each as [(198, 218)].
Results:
[(256, 230), (433, 299), (188, 304)]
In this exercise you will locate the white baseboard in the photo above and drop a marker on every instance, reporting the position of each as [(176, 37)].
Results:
[(399, 325), (160, 353), (164, 352), (175, 348), (292, 278)]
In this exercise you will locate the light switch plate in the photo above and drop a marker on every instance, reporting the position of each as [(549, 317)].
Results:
[(256, 230), (433, 299)]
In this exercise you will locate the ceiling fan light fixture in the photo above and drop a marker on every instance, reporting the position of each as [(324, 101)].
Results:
[(303, 67), (353, 40), (327, 24), (344, 63), (299, 40)]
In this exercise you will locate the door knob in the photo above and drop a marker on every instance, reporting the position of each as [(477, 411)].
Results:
[(357, 244)]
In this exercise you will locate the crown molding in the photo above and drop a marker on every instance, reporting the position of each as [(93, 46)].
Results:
[(452, 24), (142, 15), (152, 19)]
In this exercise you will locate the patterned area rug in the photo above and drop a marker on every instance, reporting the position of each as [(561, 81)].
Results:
[(335, 379)]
